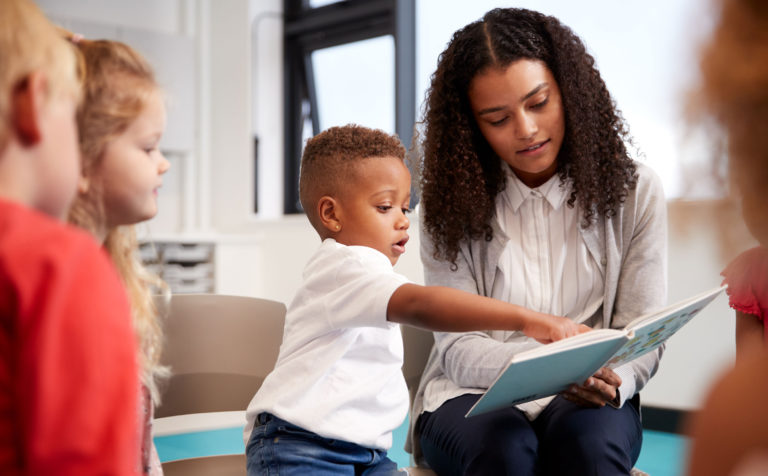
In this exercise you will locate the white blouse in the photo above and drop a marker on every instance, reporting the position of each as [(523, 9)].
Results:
[(545, 265)]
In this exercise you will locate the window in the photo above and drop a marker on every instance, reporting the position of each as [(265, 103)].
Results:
[(355, 83), (346, 61), (321, 3)]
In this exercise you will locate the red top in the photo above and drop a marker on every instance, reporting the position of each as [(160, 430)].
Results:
[(68, 371), (747, 280)]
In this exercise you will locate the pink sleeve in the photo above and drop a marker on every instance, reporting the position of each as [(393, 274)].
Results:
[(747, 280)]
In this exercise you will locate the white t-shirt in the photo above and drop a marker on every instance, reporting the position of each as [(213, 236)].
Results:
[(339, 372)]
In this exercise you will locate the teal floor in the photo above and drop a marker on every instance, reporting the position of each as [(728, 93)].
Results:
[(663, 454)]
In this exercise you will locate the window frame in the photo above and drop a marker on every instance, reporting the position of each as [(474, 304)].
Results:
[(307, 29)]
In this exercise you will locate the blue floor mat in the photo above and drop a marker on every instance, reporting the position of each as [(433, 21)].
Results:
[(663, 454)]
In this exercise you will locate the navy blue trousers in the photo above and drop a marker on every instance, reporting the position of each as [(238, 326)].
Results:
[(564, 439)]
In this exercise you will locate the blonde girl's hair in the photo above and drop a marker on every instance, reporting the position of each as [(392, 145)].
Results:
[(116, 85), (29, 43)]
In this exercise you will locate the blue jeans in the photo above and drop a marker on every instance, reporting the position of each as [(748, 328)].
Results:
[(564, 439), (278, 448)]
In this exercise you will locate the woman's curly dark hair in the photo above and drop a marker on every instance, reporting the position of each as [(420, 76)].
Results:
[(460, 175)]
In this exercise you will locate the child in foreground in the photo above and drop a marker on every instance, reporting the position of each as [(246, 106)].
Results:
[(729, 434), (68, 373), (121, 120), (337, 391)]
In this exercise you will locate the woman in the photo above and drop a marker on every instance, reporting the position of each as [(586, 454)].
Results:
[(529, 195)]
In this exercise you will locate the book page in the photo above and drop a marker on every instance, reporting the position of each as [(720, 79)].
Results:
[(581, 340), (549, 369), (653, 330), (532, 378)]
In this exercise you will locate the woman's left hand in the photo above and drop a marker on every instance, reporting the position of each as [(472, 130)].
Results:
[(597, 390)]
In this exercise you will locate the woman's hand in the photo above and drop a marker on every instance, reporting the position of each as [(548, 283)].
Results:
[(546, 328), (597, 391)]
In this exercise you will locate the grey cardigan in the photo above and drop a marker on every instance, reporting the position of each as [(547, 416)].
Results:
[(632, 248)]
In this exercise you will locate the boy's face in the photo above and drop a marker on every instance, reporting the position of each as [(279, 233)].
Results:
[(372, 208)]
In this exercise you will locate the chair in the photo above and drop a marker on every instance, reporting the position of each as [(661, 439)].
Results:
[(219, 465), (417, 344), (219, 348)]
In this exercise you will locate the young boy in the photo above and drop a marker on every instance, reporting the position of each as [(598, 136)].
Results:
[(337, 391), (68, 375)]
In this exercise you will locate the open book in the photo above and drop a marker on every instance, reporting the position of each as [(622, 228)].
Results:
[(551, 368)]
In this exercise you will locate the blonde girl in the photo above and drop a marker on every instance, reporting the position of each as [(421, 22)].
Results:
[(120, 124)]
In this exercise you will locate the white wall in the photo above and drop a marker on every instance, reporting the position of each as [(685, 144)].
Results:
[(165, 16), (229, 112), (703, 237), (238, 67), (166, 34), (267, 102)]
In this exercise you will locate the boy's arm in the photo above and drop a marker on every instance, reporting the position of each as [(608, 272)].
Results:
[(440, 308)]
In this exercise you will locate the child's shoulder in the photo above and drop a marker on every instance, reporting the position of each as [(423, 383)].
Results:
[(332, 252), (747, 280), (36, 246), (753, 260), (336, 265), (33, 232), (54, 276)]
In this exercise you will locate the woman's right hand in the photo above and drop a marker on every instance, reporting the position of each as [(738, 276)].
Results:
[(547, 328)]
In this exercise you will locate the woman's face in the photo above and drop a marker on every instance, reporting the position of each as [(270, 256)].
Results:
[(519, 111)]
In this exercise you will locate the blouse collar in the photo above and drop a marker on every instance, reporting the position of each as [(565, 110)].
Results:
[(516, 192)]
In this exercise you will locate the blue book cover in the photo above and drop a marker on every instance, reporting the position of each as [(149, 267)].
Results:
[(551, 368)]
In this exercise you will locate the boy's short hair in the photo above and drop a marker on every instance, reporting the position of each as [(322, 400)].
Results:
[(29, 43), (330, 156)]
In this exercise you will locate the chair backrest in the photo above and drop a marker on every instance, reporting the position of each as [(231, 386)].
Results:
[(219, 465), (219, 348), (417, 344)]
